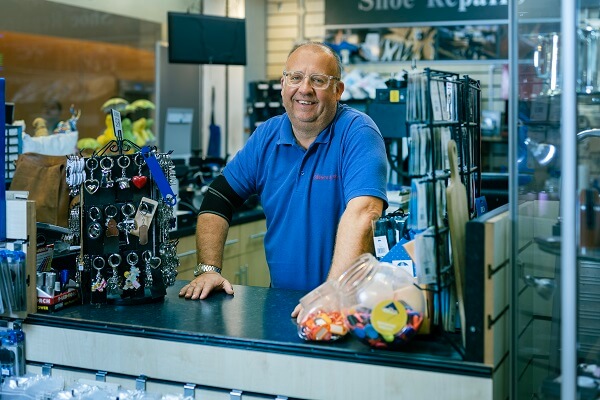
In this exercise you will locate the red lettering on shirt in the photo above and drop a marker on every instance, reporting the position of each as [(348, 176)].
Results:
[(320, 177)]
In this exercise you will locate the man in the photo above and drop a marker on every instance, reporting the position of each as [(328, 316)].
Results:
[(320, 171)]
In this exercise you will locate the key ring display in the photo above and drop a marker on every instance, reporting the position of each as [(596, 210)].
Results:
[(125, 223)]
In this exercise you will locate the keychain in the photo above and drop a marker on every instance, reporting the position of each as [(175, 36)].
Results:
[(99, 283), (143, 219), (106, 164), (147, 256), (114, 260), (123, 181), (128, 223), (111, 224), (91, 185), (139, 180), (159, 177), (132, 276)]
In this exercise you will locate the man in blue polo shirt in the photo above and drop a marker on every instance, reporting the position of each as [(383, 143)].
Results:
[(320, 172)]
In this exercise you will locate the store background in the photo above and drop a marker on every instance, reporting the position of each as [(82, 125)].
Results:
[(87, 52)]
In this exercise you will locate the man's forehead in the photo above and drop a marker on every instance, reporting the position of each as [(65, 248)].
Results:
[(313, 57)]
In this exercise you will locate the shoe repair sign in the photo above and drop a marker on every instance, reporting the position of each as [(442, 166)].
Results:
[(431, 12)]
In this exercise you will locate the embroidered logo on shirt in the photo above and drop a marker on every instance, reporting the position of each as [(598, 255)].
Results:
[(319, 177)]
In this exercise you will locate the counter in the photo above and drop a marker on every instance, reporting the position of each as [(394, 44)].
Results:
[(246, 342)]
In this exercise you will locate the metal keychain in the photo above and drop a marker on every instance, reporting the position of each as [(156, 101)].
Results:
[(106, 164), (99, 283), (114, 282), (132, 276), (91, 185), (128, 223), (147, 256), (123, 181)]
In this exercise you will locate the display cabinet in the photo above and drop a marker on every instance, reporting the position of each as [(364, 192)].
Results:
[(554, 203)]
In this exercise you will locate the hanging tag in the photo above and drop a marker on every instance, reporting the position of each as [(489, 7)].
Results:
[(116, 122), (159, 177)]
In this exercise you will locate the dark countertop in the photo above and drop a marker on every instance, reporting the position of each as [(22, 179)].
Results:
[(239, 217), (254, 318)]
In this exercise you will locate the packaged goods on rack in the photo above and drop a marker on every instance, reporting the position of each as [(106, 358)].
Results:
[(13, 277), (441, 107)]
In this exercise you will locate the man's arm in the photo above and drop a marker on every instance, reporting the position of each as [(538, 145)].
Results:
[(211, 233), (354, 236), (355, 233), (212, 225)]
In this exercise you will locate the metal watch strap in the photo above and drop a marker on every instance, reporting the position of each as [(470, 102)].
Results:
[(202, 268)]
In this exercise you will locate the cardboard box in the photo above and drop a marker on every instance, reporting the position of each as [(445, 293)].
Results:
[(49, 303)]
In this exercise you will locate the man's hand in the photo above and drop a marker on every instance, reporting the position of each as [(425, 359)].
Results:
[(297, 311), (201, 286)]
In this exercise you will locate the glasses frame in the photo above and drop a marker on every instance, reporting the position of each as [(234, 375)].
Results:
[(329, 77)]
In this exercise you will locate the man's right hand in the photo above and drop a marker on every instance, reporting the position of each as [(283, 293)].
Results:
[(201, 286)]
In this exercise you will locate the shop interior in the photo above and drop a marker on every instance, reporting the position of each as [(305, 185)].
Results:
[(526, 127)]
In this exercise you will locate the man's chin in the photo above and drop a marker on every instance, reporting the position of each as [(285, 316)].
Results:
[(305, 119)]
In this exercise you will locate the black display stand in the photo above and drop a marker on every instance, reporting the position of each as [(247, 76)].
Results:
[(124, 226)]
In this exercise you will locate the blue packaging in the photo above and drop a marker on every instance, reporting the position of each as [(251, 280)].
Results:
[(2, 162)]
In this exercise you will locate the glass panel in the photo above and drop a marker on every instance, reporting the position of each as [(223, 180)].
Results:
[(62, 55), (537, 174)]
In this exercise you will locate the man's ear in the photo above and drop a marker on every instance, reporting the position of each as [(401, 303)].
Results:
[(339, 90)]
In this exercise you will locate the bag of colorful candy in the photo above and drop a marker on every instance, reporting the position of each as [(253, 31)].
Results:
[(320, 318)]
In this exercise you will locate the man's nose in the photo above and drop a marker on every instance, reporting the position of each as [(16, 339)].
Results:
[(305, 84)]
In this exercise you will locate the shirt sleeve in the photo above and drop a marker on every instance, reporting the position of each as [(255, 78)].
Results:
[(364, 161), (241, 170)]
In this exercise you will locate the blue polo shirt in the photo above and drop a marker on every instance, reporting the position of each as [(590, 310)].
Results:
[(304, 192)]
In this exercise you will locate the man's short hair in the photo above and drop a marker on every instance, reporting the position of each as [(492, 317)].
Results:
[(324, 47)]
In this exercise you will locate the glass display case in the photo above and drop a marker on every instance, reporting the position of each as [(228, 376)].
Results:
[(554, 201)]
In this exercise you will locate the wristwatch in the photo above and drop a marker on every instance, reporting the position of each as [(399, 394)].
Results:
[(202, 268)]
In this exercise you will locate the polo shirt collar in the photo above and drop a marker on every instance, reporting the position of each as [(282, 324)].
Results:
[(286, 135)]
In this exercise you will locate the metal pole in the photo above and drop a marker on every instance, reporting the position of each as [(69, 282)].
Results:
[(568, 202), (513, 190)]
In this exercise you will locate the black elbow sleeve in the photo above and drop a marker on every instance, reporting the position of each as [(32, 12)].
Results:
[(220, 199)]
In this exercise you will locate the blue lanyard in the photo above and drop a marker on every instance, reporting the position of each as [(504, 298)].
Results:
[(159, 177)]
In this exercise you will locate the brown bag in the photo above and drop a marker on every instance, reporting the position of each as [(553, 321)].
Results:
[(44, 177)]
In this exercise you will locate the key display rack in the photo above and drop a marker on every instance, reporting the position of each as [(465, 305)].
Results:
[(122, 222), (441, 106)]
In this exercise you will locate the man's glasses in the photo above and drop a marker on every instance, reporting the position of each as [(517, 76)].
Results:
[(317, 81)]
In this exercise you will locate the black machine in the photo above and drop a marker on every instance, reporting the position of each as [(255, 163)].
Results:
[(388, 110)]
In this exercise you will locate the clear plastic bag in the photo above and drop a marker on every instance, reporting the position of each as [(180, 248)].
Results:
[(320, 318), (381, 305)]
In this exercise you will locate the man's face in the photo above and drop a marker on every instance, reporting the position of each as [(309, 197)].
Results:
[(311, 110)]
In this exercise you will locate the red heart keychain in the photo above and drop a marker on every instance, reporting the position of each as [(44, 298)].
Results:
[(139, 181)]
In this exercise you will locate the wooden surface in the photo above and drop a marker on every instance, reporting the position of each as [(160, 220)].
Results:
[(458, 216)]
